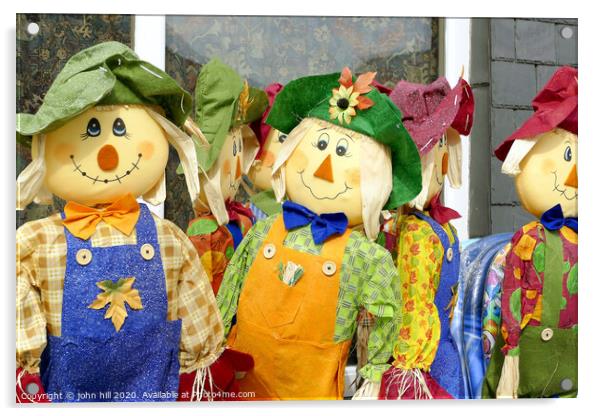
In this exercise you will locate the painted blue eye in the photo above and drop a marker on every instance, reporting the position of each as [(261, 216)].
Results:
[(234, 148), (93, 128), (568, 154), (323, 141), (119, 127), (342, 146), (281, 137)]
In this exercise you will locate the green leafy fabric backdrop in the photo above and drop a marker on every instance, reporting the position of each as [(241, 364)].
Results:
[(266, 49), (40, 57)]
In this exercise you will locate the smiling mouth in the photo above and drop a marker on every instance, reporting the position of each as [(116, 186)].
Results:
[(562, 192), (117, 178), (323, 197)]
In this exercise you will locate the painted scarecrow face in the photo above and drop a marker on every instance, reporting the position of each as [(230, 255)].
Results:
[(104, 154), (549, 174), (230, 163), (440, 156), (323, 172), (261, 171)]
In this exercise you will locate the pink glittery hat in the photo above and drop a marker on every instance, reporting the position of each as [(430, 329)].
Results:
[(260, 128), (428, 110)]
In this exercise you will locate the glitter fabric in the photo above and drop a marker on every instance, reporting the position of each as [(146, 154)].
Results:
[(91, 361), (428, 110)]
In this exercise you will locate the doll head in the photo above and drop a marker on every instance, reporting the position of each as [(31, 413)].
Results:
[(260, 173), (542, 154), (435, 116), (348, 153), (548, 174), (226, 145), (270, 142), (114, 140)]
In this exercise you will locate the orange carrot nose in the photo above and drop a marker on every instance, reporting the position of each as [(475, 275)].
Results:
[(238, 169), (444, 164), (571, 180), (324, 171), (107, 158)]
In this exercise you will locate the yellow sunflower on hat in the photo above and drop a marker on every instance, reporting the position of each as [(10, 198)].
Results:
[(348, 96)]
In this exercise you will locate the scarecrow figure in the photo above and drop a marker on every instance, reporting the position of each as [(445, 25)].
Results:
[(298, 279), (427, 360), (226, 147), (536, 355), (112, 301), (263, 200)]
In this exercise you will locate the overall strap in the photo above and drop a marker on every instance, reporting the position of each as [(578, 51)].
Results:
[(146, 230), (437, 228), (552, 283)]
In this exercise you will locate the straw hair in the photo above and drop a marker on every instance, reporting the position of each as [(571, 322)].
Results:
[(454, 173), (375, 172), (520, 149), (30, 182)]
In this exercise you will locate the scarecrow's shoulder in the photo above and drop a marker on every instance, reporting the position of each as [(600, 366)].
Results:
[(168, 232), (359, 245), (44, 231)]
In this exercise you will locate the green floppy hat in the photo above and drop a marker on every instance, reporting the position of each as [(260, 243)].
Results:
[(223, 101), (312, 96), (105, 74)]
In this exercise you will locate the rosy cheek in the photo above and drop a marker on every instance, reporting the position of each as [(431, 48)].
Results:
[(63, 152), (147, 149), (298, 160), (268, 159), (548, 166), (226, 168), (352, 177)]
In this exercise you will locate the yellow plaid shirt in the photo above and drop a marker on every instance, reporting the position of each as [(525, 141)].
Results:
[(41, 263)]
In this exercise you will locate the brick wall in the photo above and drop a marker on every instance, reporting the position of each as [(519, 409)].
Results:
[(523, 54)]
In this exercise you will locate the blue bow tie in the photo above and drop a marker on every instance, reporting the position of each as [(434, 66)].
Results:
[(322, 226), (553, 219)]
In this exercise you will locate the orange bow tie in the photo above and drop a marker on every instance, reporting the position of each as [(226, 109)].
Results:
[(122, 214)]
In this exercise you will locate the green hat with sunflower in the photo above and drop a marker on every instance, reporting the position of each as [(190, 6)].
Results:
[(223, 100), (353, 103), (104, 74)]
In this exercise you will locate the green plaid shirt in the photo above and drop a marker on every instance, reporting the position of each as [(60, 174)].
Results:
[(368, 280)]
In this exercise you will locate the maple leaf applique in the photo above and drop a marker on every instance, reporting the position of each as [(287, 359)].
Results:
[(116, 295)]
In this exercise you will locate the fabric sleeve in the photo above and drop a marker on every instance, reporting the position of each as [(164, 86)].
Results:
[(237, 270), (202, 334), (517, 293), (380, 296), (31, 322), (419, 266)]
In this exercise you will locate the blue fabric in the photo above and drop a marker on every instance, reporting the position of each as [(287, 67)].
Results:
[(322, 226), (91, 361), (475, 262), (553, 219), (447, 368), (257, 212), (236, 233)]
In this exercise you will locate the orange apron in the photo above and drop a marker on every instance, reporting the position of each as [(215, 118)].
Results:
[(289, 330)]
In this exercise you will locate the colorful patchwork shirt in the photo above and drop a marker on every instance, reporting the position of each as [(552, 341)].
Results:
[(215, 243), (41, 263), (368, 280), (523, 283), (419, 263)]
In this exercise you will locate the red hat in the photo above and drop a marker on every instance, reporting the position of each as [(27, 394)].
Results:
[(555, 106), (259, 127), (428, 110)]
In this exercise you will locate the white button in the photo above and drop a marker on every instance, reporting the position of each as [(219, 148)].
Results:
[(83, 256), (547, 334), (450, 254), (566, 384), (32, 388), (329, 268), (147, 251), (269, 251)]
